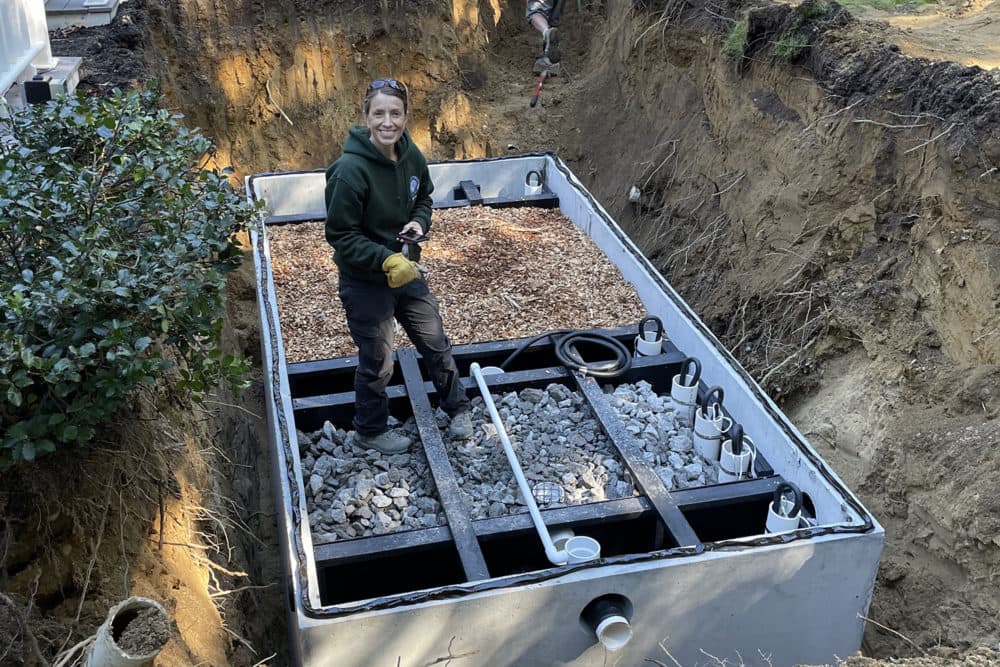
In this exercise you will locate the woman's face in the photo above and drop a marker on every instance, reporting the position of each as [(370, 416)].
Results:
[(386, 120)]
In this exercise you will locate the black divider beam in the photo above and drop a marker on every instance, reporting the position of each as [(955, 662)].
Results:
[(455, 511), (647, 479)]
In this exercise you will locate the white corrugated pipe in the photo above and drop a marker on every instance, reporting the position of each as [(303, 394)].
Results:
[(107, 653), (576, 549)]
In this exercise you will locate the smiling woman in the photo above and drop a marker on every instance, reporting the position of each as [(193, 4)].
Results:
[(376, 193)]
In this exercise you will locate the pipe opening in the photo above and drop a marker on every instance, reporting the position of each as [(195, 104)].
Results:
[(609, 619)]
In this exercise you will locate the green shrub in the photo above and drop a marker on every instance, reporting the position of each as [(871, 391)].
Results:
[(815, 9), (115, 244), (736, 40), (791, 45)]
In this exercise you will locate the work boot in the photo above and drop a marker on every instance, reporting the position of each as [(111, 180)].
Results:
[(461, 426), (388, 442), (550, 44)]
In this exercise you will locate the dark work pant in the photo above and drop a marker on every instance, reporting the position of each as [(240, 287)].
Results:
[(370, 310)]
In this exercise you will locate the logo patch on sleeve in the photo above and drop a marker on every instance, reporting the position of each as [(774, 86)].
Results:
[(414, 186)]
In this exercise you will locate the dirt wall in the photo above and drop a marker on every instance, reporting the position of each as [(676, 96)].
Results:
[(843, 241)]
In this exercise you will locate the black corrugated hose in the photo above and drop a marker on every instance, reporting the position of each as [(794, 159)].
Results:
[(569, 356)]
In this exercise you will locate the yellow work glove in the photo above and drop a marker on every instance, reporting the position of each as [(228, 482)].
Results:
[(399, 270)]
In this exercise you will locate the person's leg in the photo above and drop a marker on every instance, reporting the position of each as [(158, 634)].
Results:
[(369, 319), (417, 311), (538, 12)]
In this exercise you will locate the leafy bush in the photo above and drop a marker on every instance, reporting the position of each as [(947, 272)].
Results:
[(114, 244), (736, 40)]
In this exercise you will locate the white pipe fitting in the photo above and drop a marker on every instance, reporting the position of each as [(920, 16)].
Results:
[(577, 549), (733, 466), (684, 389), (613, 632), (608, 617), (783, 513), (649, 343), (107, 653), (710, 424)]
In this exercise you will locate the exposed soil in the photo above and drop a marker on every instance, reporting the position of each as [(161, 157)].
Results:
[(144, 634), (833, 214)]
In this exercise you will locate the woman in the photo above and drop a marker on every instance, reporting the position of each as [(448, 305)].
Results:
[(378, 189)]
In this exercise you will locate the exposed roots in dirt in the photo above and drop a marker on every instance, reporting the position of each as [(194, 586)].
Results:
[(144, 511)]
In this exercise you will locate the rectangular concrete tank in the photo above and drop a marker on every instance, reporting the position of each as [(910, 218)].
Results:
[(693, 572)]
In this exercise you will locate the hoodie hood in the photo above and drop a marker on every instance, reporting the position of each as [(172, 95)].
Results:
[(359, 142)]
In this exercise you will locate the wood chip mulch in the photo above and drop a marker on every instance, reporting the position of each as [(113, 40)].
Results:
[(496, 273)]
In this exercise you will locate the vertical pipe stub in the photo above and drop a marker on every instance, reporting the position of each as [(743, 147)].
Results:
[(710, 424), (684, 388), (608, 617), (135, 631), (783, 514), (649, 343)]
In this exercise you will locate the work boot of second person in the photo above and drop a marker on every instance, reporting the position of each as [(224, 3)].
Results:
[(461, 426), (388, 442), (550, 44)]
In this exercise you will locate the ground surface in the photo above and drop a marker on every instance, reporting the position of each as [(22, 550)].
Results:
[(833, 214)]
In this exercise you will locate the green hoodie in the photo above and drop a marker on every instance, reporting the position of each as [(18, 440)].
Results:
[(369, 198)]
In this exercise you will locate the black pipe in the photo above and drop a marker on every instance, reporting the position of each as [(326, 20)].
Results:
[(694, 376), (659, 327), (704, 402), (567, 353), (736, 438)]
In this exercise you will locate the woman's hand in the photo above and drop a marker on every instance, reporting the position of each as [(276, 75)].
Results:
[(412, 227)]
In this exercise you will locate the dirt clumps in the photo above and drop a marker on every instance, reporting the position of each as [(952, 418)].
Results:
[(144, 633), (114, 56)]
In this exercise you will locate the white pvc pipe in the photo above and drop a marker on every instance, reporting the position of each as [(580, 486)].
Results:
[(734, 467), (686, 396), (106, 652), (577, 549), (708, 430), (781, 523), (613, 632)]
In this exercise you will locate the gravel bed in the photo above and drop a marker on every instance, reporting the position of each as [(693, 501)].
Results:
[(351, 492), (663, 436), (496, 273), (557, 440)]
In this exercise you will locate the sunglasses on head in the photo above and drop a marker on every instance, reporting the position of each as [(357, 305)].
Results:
[(382, 83)]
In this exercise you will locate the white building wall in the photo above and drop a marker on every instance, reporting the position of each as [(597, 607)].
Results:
[(24, 44)]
